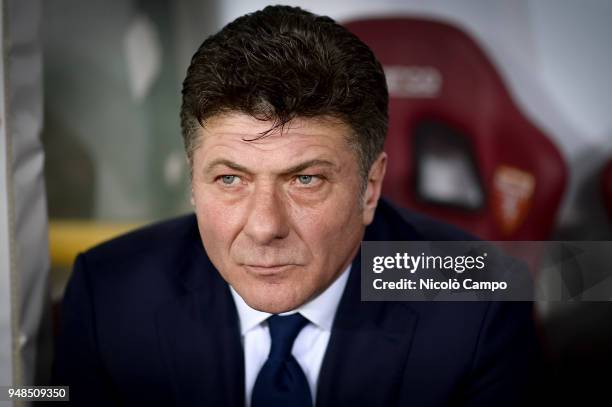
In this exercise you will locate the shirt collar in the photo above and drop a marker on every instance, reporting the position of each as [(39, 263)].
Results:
[(319, 311)]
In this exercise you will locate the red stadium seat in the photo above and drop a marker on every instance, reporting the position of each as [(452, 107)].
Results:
[(459, 149), (606, 187)]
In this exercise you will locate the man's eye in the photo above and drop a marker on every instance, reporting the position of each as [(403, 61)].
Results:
[(309, 181), (229, 179), (305, 179)]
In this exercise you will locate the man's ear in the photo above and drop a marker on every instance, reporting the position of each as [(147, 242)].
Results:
[(190, 166), (374, 187)]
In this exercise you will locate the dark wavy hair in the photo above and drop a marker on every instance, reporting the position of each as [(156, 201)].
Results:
[(283, 62)]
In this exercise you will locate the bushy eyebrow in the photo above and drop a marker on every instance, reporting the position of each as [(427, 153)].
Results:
[(227, 163), (307, 164), (292, 170)]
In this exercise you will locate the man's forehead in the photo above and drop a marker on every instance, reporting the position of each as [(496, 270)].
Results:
[(235, 141), (282, 160)]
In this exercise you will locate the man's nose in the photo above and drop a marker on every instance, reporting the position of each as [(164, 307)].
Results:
[(267, 219)]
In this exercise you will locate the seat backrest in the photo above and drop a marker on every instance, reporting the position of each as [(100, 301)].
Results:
[(459, 149)]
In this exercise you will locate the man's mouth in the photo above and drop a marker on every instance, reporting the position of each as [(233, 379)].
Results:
[(267, 269)]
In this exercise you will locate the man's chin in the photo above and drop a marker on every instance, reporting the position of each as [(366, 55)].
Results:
[(273, 300), (274, 308)]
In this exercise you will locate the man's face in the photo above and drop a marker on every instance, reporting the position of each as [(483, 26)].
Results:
[(281, 216)]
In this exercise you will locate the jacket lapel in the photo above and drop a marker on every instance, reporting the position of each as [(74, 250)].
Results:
[(367, 350), (200, 338)]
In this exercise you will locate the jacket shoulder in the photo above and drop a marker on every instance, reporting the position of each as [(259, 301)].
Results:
[(404, 224), (154, 238)]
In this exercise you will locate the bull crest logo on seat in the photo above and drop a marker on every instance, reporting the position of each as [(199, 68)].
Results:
[(512, 195)]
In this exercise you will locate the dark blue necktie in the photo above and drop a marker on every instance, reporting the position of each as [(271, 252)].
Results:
[(281, 381)]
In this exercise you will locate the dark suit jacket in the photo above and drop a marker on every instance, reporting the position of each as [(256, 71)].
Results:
[(148, 320)]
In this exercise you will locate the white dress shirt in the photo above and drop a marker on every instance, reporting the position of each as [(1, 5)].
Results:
[(310, 344)]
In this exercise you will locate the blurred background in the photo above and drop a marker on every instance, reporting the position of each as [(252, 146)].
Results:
[(500, 122)]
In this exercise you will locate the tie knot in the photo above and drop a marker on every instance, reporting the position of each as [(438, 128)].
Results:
[(283, 331)]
